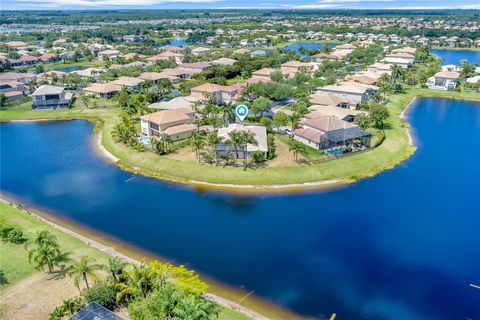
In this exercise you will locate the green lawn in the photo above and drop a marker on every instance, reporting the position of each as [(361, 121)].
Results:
[(14, 265), (392, 151), (229, 314), (13, 257)]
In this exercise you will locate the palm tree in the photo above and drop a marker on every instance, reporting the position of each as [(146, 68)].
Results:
[(213, 140), (229, 112), (114, 267), (166, 141), (397, 72), (197, 142), (297, 147), (246, 138), (85, 268), (139, 281), (44, 255), (294, 120), (235, 139)]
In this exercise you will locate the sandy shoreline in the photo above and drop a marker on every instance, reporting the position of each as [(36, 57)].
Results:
[(78, 231)]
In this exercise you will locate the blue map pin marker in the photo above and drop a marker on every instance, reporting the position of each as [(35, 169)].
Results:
[(241, 111)]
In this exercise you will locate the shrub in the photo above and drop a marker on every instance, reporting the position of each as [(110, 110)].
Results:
[(104, 294), (257, 157), (11, 234)]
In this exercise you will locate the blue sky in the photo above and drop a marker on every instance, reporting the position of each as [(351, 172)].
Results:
[(247, 4)]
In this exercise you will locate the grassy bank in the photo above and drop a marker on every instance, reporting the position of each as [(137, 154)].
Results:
[(13, 257), (392, 151), (14, 263)]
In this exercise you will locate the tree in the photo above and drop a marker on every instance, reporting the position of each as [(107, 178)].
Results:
[(170, 303), (363, 121), (84, 269), (213, 140), (260, 105), (198, 142), (234, 139), (397, 72), (246, 138), (379, 114), (229, 112), (162, 144), (297, 147), (114, 267), (3, 99), (124, 131), (138, 282), (294, 120), (280, 119), (45, 252)]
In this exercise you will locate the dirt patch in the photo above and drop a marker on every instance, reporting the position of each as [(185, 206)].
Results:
[(184, 154), (284, 157), (36, 296)]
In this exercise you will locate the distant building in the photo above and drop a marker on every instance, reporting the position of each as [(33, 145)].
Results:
[(51, 97), (200, 51)]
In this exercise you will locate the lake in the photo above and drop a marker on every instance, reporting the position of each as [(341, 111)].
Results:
[(401, 245), (306, 45), (178, 42), (455, 56), (70, 68)]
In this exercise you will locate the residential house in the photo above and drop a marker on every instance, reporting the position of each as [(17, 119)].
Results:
[(174, 104), (17, 76), (129, 82), (156, 77), (178, 124), (444, 80), (324, 99), (51, 97), (351, 90), (223, 62), (196, 67), (90, 73), (169, 48), (200, 51), (102, 90), (259, 133), (324, 132), (108, 54), (222, 94)]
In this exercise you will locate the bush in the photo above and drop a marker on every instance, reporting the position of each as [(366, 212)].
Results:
[(257, 157), (11, 234), (104, 294), (68, 308)]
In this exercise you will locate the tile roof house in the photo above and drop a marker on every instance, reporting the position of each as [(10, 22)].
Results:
[(103, 90), (224, 61), (443, 80), (259, 133), (129, 82), (351, 90), (324, 132), (200, 51), (222, 94), (178, 124), (17, 76), (51, 97)]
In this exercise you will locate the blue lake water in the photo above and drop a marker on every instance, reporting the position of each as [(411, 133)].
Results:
[(455, 56), (70, 68), (402, 245), (306, 45), (178, 42)]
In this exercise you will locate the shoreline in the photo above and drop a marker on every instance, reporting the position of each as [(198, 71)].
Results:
[(218, 291), (101, 147)]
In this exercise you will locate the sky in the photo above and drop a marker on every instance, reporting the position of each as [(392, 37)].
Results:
[(236, 4)]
